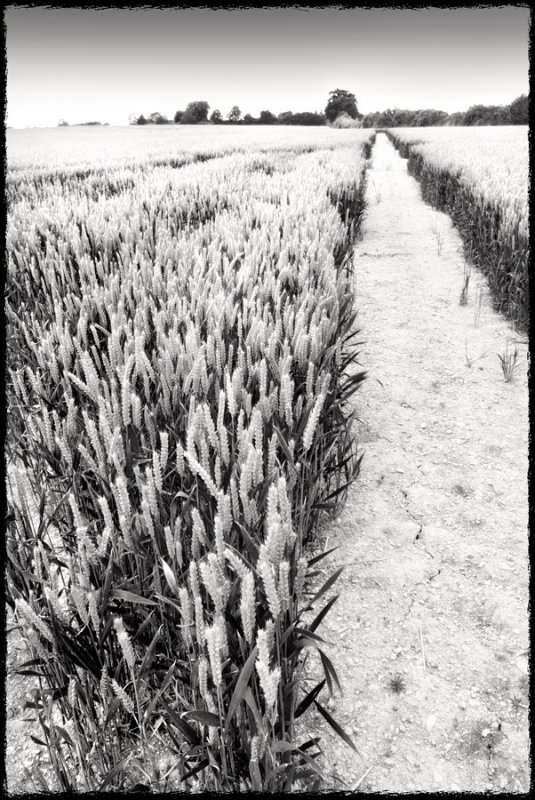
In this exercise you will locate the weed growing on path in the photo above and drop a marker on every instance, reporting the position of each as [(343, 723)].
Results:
[(478, 306), (508, 361), (438, 234), (517, 704), (377, 191), (484, 187), (463, 299), (469, 360), (396, 684)]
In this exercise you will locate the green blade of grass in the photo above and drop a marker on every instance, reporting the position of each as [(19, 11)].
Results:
[(204, 717), (324, 611), (335, 726), (325, 588), (309, 699), (131, 597), (241, 686), (186, 730), (322, 555)]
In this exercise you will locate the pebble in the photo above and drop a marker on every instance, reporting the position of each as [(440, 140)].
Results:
[(430, 722)]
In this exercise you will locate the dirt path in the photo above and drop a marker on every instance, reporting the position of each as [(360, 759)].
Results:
[(434, 534)]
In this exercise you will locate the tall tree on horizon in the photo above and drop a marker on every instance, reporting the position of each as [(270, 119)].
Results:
[(340, 101), (234, 114), (195, 112)]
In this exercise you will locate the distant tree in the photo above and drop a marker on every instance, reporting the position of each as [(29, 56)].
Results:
[(341, 101), (267, 118), (216, 117), (456, 118), (307, 118), (391, 118), (195, 112), (387, 119), (157, 119), (134, 119), (343, 120), (178, 116), (519, 110), (370, 120), (498, 115), (285, 117), (429, 117), (234, 115), (63, 124), (487, 115), (473, 115), (250, 120)]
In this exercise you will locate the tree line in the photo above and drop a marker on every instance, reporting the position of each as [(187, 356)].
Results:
[(197, 113), (342, 111), (342, 107), (341, 102), (516, 113)]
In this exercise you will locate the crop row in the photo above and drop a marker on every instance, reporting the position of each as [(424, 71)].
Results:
[(81, 151), (479, 176), (180, 353)]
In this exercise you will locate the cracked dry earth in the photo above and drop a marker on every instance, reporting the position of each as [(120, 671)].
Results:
[(430, 633)]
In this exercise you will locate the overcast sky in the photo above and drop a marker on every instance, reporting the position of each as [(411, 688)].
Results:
[(91, 64)]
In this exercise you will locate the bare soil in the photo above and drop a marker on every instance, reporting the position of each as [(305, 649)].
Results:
[(430, 633)]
